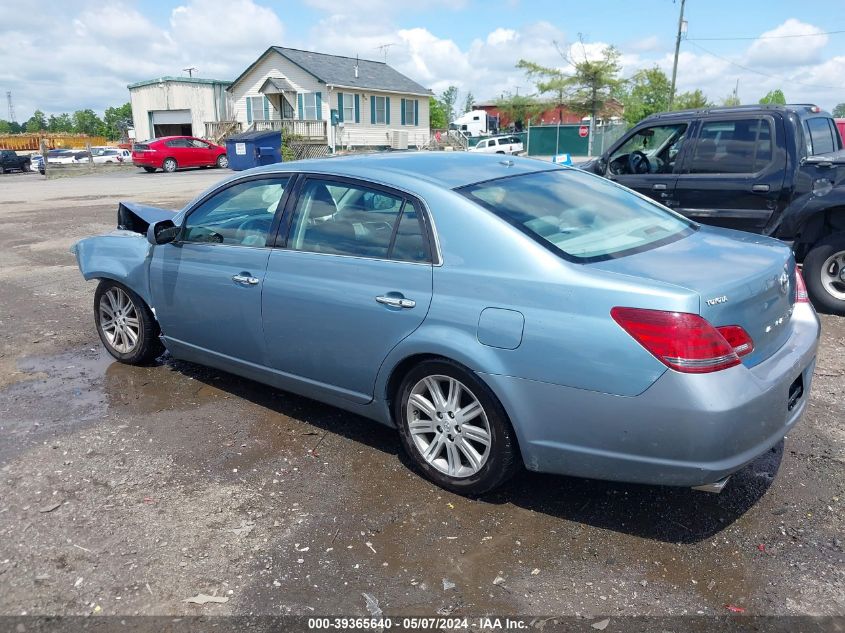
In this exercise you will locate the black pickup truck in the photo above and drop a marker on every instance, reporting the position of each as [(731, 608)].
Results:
[(9, 160), (775, 170)]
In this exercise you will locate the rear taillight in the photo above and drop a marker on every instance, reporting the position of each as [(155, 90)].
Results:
[(684, 342), (800, 288)]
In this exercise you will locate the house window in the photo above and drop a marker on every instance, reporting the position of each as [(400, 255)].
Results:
[(381, 110), (348, 107), (309, 101), (255, 108), (409, 111)]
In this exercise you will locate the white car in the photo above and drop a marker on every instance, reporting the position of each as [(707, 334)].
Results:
[(111, 155), (499, 145)]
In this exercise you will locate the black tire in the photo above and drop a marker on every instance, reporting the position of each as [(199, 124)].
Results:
[(501, 462), (170, 165), (222, 161), (814, 262), (149, 170), (148, 347)]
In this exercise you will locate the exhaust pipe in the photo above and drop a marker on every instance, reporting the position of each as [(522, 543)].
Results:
[(716, 487)]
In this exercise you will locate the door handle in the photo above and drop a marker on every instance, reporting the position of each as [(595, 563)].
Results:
[(396, 302), (760, 188), (659, 187), (245, 279)]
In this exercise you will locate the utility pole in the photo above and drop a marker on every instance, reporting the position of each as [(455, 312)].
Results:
[(11, 106), (677, 50)]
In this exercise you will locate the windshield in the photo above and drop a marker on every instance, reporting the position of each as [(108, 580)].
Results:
[(578, 215)]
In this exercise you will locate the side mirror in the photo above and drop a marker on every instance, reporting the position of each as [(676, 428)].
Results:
[(162, 232), (601, 165)]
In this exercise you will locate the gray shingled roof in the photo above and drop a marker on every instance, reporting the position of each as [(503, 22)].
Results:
[(336, 70)]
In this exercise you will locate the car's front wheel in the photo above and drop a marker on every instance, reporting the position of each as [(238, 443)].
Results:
[(222, 161), (125, 324), (824, 274), (454, 428), (169, 165)]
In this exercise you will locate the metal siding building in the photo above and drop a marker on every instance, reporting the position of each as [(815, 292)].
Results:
[(177, 106)]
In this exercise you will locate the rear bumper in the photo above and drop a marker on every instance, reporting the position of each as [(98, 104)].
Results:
[(146, 162), (685, 430)]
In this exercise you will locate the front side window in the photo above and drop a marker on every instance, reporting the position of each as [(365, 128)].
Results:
[(652, 150), (240, 215), (198, 144), (579, 216), (741, 146), (343, 219), (822, 139), (381, 110)]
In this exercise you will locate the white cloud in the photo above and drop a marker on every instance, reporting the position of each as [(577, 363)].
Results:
[(780, 48)]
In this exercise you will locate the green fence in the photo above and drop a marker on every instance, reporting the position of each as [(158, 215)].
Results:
[(548, 140)]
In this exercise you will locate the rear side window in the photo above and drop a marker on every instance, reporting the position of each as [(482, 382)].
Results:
[(339, 218), (822, 139), (580, 216), (740, 146)]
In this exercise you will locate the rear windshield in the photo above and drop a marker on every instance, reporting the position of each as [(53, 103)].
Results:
[(578, 215)]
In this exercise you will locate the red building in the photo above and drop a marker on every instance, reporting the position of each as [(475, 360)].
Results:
[(552, 115)]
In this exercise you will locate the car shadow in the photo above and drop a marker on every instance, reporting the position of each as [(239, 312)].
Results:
[(661, 513)]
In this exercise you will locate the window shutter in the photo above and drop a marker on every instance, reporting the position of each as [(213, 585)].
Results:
[(339, 107), (372, 109), (266, 109), (249, 109), (300, 106), (357, 109), (402, 113), (319, 105), (387, 110), (416, 111)]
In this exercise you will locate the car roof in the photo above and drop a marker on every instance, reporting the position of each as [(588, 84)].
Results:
[(803, 110), (445, 169)]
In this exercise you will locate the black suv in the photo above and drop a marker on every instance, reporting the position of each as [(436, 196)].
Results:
[(775, 170)]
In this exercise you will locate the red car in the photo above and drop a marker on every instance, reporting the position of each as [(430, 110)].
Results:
[(170, 153), (840, 124)]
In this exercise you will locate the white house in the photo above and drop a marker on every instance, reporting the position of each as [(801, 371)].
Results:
[(373, 104), (177, 106)]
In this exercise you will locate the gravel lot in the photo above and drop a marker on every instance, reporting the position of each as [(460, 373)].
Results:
[(125, 490)]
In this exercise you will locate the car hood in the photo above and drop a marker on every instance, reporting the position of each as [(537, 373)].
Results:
[(739, 278)]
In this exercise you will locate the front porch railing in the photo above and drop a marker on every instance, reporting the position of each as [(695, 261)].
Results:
[(305, 129), (218, 130)]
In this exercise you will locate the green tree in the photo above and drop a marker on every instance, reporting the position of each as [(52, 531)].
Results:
[(436, 115), (36, 122), (5, 127), (731, 100), (586, 87), (117, 120), (691, 100), (60, 123), (469, 102), (774, 97), (648, 94), (87, 122), (518, 109), (448, 99), (839, 111)]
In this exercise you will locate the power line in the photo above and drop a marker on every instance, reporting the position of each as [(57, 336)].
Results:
[(760, 72), (761, 37)]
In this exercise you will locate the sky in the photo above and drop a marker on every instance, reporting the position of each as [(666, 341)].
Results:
[(60, 56)]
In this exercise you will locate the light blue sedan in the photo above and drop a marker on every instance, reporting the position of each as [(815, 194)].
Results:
[(498, 312)]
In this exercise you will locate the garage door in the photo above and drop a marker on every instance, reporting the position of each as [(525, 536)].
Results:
[(171, 117)]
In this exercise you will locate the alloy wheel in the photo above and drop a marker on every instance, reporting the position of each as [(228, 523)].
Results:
[(448, 426), (119, 320), (833, 275)]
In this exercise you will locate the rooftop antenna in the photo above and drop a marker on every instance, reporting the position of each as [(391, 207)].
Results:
[(190, 70), (11, 105), (385, 48)]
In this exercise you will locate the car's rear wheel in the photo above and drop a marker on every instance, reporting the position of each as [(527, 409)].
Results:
[(149, 170), (125, 324), (222, 161), (454, 428), (824, 274), (169, 165)]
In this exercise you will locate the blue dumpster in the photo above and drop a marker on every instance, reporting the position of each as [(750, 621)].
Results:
[(252, 149)]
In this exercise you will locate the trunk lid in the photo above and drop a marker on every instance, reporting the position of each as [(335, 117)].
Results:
[(741, 279)]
